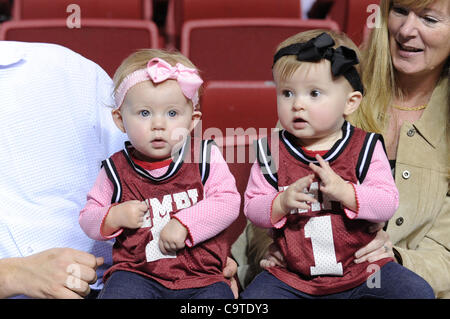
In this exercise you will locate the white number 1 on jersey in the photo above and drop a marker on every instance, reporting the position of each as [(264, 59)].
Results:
[(320, 231)]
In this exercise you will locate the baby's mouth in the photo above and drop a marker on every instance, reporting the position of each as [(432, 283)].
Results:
[(158, 142), (299, 123), (299, 120)]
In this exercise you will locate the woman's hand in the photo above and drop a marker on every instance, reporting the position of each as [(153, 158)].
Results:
[(380, 247)]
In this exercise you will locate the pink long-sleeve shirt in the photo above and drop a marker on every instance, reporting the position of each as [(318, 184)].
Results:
[(377, 196), (218, 209)]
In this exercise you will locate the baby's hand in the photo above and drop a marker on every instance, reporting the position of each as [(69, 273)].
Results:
[(129, 214), (294, 197), (172, 237), (333, 185)]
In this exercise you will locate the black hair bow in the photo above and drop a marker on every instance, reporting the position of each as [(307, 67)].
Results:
[(321, 47)]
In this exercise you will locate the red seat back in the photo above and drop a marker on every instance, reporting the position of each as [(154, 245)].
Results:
[(107, 9), (233, 107), (352, 16), (240, 49), (106, 42), (181, 11), (248, 110)]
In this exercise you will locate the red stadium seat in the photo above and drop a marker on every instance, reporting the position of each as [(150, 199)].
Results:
[(246, 107), (100, 9), (240, 49), (106, 42), (352, 15), (248, 110), (181, 11)]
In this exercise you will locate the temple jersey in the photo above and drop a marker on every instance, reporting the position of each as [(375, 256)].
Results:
[(137, 250), (319, 244)]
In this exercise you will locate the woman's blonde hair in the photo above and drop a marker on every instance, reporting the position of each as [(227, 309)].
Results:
[(139, 60), (378, 72), (286, 66)]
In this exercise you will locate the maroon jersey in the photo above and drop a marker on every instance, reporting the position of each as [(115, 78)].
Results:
[(137, 250), (319, 244)]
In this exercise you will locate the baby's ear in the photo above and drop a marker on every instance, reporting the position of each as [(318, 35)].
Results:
[(353, 100), (118, 120), (196, 117)]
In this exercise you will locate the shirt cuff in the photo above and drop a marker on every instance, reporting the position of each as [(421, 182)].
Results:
[(113, 235), (189, 238), (350, 213), (279, 224)]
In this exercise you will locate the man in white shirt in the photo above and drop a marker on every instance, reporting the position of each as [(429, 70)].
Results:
[(56, 128)]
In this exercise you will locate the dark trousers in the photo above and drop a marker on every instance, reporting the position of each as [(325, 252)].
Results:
[(396, 282), (129, 285)]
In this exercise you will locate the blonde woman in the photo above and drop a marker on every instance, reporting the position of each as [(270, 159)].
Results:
[(405, 73), (406, 76)]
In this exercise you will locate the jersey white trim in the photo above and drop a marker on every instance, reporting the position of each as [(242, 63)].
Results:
[(173, 167), (337, 149), (114, 178)]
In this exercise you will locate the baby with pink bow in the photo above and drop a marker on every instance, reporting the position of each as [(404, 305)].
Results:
[(166, 198)]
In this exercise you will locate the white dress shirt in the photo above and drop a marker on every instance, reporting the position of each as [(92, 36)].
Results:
[(55, 129)]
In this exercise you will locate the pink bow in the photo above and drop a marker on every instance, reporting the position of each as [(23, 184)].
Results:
[(188, 78), (159, 70)]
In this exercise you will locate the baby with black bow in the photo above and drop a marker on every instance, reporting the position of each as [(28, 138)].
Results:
[(320, 182)]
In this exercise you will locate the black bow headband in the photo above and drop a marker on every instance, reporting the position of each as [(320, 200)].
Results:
[(321, 47)]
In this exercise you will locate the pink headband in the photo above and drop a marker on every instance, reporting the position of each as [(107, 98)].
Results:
[(157, 71)]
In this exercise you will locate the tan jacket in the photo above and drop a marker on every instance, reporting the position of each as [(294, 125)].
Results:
[(420, 229)]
